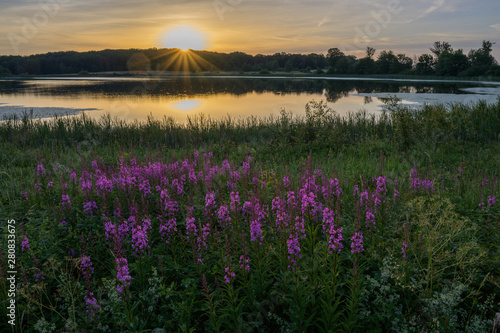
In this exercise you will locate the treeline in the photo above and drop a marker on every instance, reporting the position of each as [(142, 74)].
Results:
[(442, 61)]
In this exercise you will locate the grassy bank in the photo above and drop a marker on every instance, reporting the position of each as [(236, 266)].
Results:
[(319, 223)]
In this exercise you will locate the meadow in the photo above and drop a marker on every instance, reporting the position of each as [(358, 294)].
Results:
[(318, 223)]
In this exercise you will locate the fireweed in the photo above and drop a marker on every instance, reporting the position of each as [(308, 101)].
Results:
[(230, 222)]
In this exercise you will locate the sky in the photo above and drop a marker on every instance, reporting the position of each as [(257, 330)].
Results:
[(251, 26)]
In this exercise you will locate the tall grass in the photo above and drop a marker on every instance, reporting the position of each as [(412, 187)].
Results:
[(320, 127)]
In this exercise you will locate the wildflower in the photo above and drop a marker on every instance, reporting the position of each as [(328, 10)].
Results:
[(247, 207), (244, 262), (91, 304), (140, 236), (86, 267), (491, 200), (50, 184), (485, 182), (370, 220), (225, 166), (223, 215), (357, 242), (24, 195), (286, 182), (293, 251), (109, 231), (356, 190), (482, 206), (167, 229), (235, 201), (191, 229), (40, 171), (334, 235), (335, 240), (39, 275), (256, 231), (246, 168), (209, 200), (403, 249), (229, 274), (66, 201), (363, 200), (256, 223), (122, 275), (25, 244), (89, 207), (428, 185)]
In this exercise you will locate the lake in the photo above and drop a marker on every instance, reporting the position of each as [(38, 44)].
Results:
[(178, 97)]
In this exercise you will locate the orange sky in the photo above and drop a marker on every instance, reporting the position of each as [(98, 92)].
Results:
[(32, 26)]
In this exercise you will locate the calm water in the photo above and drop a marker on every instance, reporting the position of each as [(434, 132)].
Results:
[(137, 98)]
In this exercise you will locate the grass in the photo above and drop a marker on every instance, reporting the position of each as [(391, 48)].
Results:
[(423, 174)]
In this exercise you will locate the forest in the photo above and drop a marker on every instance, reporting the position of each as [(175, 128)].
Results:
[(442, 60)]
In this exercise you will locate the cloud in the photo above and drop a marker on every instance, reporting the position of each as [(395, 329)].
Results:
[(495, 26), (323, 21), (437, 4)]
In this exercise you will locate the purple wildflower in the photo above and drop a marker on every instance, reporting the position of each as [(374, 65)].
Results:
[(229, 274), (293, 251), (25, 244), (66, 202), (140, 237), (223, 215), (403, 249), (122, 275), (91, 305), (491, 200), (191, 230), (167, 229), (90, 207), (40, 171), (235, 201), (357, 242)]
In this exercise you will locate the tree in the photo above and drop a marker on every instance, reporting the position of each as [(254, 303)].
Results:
[(441, 47), (385, 62), (345, 65), (452, 63), (334, 54), (370, 52), (365, 66), (480, 60), (404, 64), (487, 46), (425, 65), (288, 66), (4, 71)]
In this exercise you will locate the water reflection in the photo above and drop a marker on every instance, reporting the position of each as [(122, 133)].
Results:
[(187, 105), (175, 97)]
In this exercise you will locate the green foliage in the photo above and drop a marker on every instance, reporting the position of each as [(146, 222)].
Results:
[(447, 282)]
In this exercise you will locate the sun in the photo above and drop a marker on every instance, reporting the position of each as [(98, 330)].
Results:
[(184, 37)]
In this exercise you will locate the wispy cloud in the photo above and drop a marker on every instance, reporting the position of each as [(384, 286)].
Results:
[(323, 21), (495, 26), (437, 4)]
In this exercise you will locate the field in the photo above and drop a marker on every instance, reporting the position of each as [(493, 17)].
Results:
[(318, 223)]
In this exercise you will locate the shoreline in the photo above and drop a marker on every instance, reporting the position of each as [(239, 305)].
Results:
[(276, 76)]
